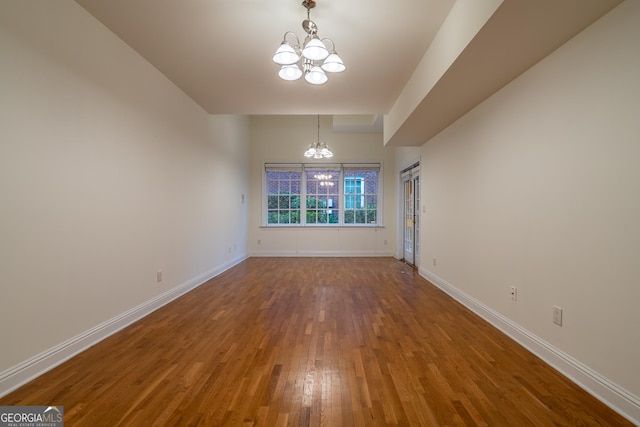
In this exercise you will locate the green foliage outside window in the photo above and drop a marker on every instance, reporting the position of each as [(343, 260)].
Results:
[(318, 211), (283, 209)]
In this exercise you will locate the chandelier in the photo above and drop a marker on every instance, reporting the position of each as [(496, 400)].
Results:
[(318, 150), (310, 60)]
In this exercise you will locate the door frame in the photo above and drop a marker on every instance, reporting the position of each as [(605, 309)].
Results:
[(410, 174)]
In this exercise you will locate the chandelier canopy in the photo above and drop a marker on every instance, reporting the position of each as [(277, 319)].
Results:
[(313, 58), (318, 150)]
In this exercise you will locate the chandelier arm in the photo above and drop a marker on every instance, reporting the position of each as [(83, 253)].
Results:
[(333, 45), (297, 45)]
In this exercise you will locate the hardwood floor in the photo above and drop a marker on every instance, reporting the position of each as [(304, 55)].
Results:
[(302, 341)]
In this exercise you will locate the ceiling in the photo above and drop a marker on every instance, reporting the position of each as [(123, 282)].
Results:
[(219, 52)]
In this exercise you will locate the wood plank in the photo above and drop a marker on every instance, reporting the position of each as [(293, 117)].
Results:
[(313, 342)]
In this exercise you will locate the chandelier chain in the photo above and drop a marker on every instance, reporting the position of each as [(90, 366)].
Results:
[(317, 149)]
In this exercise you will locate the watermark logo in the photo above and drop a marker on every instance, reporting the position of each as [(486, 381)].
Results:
[(31, 416)]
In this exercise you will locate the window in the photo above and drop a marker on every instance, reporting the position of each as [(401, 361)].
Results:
[(361, 195), (283, 196), (299, 195), (322, 195)]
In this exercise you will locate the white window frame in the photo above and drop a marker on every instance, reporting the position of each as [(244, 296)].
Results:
[(340, 197)]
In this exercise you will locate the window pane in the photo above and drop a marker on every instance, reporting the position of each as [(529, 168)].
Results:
[(312, 202), (371, 216), (283, 202), (332, 216), (348, 186), (371, 202), (312, 186), (349, 202), (349, 217), (272, 202)]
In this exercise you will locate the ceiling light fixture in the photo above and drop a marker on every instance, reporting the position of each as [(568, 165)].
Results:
[(318, 150), (313, 59)]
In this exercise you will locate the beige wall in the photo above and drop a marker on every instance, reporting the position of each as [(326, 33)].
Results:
[(108, 173), (539, 187), (283, 139)]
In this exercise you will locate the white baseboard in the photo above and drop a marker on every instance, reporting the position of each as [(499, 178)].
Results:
[(20, 374), (321, 254), (614, 396)]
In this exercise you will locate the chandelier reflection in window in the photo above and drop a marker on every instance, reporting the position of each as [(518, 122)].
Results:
[(325, 180)]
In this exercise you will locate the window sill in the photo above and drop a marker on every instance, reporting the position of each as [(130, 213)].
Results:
[(323, 227)]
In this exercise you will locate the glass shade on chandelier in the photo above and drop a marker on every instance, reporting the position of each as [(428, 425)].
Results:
[(285, 54), (313, 58), (318, 150), (290, 72), (315, 50), (333, 64), (316, 76)]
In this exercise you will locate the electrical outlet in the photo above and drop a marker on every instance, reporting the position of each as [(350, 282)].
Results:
[(159, 276), (557, 315), (434, 262), (514, 293)]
